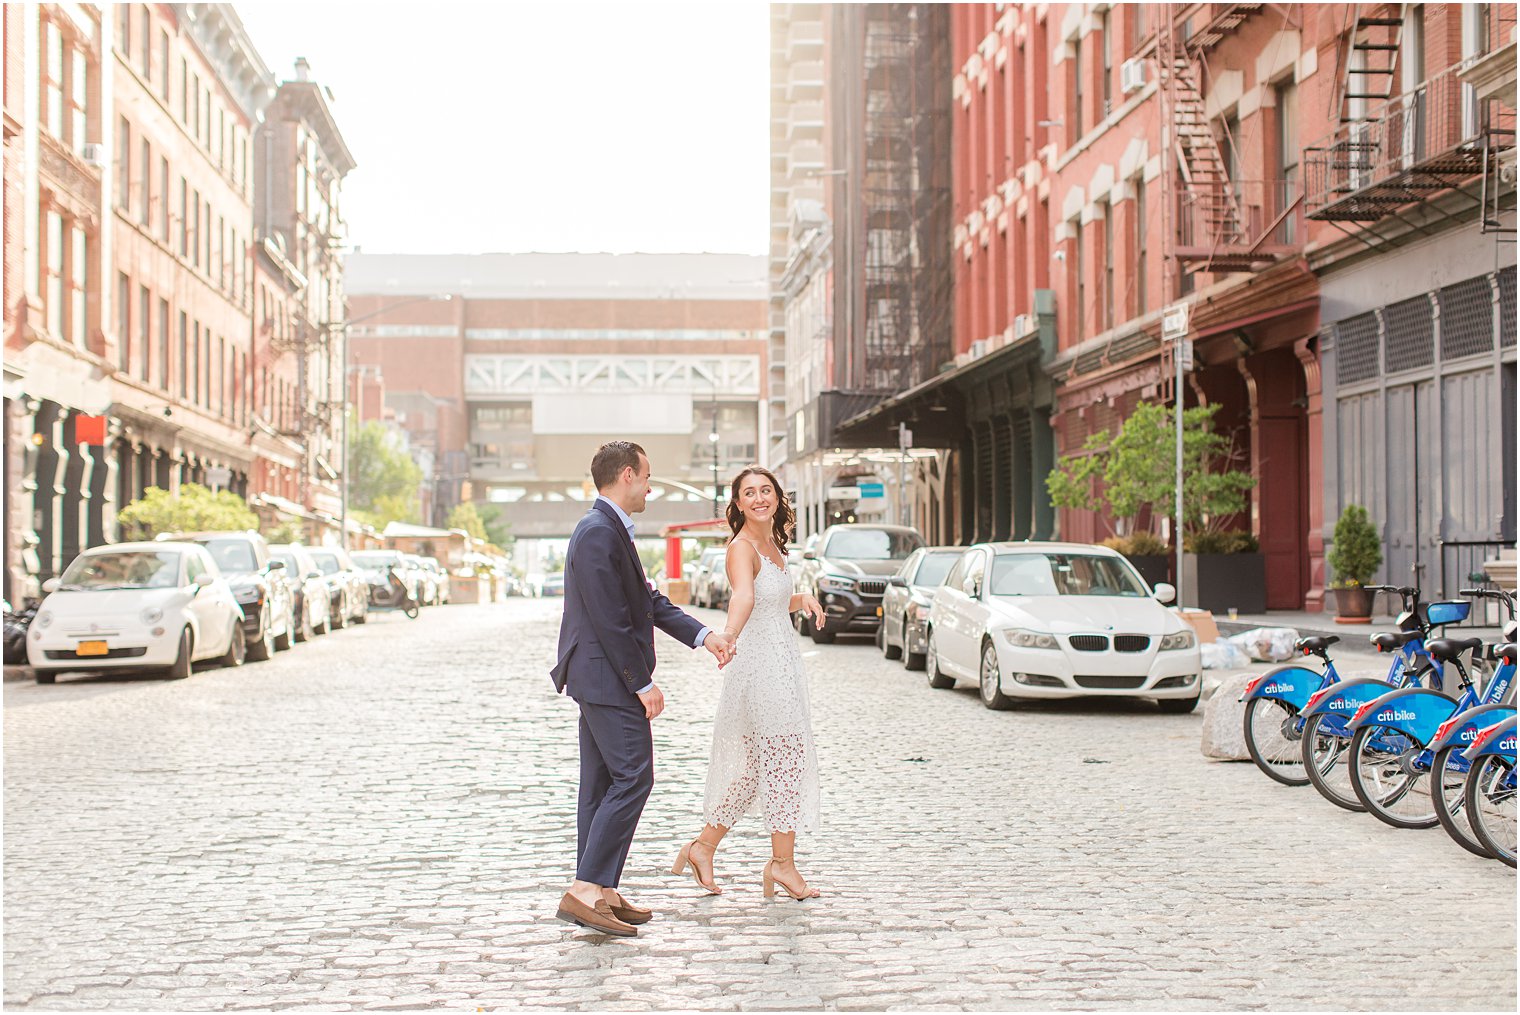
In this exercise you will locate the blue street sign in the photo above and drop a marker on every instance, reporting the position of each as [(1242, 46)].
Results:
[(872, 490)]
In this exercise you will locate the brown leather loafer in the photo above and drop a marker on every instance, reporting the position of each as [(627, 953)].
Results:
[(629, 913), (598, 918)]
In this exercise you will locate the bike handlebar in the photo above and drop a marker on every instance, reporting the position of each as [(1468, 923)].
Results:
[(1403, 590)]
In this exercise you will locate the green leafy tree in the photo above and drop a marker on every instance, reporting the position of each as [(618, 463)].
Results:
[(193, 509), (464, 516), (498, 529), (1358, 552), (290, 531), (384, 482), (1120, 474)]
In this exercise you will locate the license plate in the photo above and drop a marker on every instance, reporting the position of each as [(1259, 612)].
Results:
[(91, 648), (878, 611)]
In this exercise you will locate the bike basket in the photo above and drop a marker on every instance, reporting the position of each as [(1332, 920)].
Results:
[(1448, 613)]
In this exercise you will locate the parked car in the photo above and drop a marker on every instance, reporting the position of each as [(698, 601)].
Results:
[(308, 590), (136, 606), (243, 558), (848, 570), (377, 565), (712, 560), (553, 584), (440, 577), (347, 591), (718, 589), (427, 582), (1059, 620), (905, 605)]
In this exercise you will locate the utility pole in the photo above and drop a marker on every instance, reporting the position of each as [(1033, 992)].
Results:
[(904, 442), (712, 438)]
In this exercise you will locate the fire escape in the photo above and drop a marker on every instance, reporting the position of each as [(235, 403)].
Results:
[(1395, 151)]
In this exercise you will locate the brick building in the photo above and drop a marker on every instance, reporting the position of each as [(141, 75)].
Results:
[(506, 371)]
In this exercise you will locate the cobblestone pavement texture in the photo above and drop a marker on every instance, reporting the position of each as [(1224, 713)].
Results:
[(384, 818)]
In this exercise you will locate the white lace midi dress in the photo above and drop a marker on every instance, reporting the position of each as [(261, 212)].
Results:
[(763, 759)]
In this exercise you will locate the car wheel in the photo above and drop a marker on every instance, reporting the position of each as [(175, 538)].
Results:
[(43, 677), (937, 680), (822, 637), (181, 668), (283, 642), (888, 649), (263, 648), (326, 625), (911, 660), (237, 647), (337, 616), (305, 631), (991, 680), (1178, 706), (804, 624), (362, 617)]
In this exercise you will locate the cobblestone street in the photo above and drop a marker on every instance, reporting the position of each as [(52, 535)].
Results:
[(384, 818)]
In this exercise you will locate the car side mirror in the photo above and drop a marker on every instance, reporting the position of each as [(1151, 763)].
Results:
[(976, 590), (898, 581), (276, 565), (809, 555), (312, 575), (1164, 592), (51, 585), (205, 580)]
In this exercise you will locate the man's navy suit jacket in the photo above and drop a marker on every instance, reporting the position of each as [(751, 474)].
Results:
[(606, 639)]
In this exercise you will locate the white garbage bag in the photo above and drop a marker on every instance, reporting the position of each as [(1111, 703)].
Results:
[(1223, 655), (1266, 644)]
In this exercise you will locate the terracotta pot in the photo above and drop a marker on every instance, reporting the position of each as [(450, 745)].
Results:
[(1353, 605)]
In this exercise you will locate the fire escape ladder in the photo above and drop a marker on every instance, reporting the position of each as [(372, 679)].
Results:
[(1372, 61), (1204, 172)]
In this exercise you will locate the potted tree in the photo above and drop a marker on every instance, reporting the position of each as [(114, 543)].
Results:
[(1355, 557)]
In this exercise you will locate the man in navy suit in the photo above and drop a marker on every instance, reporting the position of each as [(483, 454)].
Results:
[(606, 663)]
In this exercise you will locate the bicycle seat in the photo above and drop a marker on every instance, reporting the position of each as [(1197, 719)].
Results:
[(1447, 649), (1392, 641), (1316, 644)]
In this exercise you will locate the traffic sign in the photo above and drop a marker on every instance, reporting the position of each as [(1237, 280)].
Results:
[(1174, 322), (872, 490)]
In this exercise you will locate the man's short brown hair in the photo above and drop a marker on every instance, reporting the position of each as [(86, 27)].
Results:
[(611, 459)]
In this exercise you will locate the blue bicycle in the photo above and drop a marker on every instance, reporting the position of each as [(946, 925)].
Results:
[(1327, 735), (1490, 790)]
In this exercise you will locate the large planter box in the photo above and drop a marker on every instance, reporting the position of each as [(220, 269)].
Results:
[(1219, 582), (465, 589), (1155, 569)]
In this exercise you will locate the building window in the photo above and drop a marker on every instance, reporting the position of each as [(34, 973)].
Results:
[(124, 28), (53, 74), (193, 121), (123, 164), (206, 235), (163, 198), (1106, 25), (53, 274), (147, 43), (163, 62), (195, 228), (221, 252), (184, 217), (1077, 96), (1140, 238), (145, 208), (145, 331), (195, 362), (221, 377), (183, 360), (184, 90), (79, 273), (1287, 155), (124, 322), (1081, 273), (163, 344), (1108, 266)]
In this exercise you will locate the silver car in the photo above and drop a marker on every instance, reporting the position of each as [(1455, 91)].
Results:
[(905, 606)]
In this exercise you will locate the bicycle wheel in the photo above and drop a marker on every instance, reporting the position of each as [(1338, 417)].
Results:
[(1386, 777), (1451, 801), (1324, 749), (1490, 800), (1273, 734)]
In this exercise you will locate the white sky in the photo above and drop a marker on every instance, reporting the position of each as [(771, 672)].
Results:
[(542, 126)]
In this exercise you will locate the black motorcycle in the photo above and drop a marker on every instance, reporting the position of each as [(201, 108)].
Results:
[(391, 593), (16, 625)]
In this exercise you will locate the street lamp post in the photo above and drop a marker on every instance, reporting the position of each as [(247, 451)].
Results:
[(712, 438), (343, 402)]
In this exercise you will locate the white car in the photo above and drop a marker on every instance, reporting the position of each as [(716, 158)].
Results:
[(1059, 620), (138, 606)]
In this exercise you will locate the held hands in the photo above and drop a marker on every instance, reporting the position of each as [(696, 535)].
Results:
[(721, 646), (653, 701), (814, 609)]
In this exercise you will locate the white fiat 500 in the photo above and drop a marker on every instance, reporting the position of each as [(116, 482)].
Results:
[(138, 606), (1059, 620)]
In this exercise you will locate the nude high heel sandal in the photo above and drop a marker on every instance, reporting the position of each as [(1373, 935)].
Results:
[(683, 861), (769, 881)]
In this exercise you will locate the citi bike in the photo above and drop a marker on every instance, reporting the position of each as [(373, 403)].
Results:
[(1489, 794)]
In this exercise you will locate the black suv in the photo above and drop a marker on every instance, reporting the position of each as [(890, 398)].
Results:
[(257, 581), (848, 571)]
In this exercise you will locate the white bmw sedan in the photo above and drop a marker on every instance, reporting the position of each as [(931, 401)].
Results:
[(1059, 620), (137, 606)]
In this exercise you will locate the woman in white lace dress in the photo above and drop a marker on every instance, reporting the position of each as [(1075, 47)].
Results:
[(763, 760)]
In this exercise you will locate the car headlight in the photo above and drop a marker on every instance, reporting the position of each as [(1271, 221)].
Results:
[(1181, 639), (43, 618), (252, 594), (1029, 639), (152, 615), (834, 583)]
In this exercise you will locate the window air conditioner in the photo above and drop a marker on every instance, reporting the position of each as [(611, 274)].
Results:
[(1023, 324), (93, 155), (1131, 75)]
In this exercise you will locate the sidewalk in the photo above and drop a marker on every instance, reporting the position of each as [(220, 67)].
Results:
[(1353, 636)]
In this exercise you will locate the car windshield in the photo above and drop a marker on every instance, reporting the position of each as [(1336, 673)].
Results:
[(233, 556), (934, 568), (871, 544), (1062, 574), (374, 558), (327, 563), (126, 569), (289, 560)]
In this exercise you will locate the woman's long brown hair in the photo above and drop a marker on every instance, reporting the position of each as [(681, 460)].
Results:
[(782, 521)]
